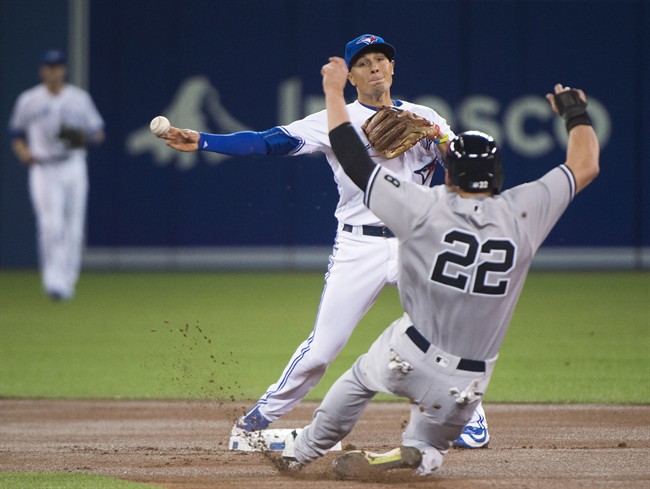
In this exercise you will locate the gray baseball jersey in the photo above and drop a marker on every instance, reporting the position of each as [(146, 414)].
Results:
[(463, 261)]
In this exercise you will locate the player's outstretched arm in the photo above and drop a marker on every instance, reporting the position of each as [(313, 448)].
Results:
[(583, 150), (274, 141), (347, 146)]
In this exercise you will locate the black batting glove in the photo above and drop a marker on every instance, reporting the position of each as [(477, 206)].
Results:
[(572, 108)]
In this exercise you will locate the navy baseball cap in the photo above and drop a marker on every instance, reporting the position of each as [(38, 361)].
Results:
[(53, 57), (365, 43)]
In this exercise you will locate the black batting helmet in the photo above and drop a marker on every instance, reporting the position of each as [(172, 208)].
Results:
[(474, 163)]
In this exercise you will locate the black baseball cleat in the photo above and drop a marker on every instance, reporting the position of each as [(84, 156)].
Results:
[(360, 463)]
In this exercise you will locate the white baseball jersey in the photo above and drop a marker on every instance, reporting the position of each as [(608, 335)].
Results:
[(360, 266), (58, 181), (463, 261), (39, 115), (314, 137)]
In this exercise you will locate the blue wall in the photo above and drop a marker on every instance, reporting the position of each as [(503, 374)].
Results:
[(27, 28), (231, 65)]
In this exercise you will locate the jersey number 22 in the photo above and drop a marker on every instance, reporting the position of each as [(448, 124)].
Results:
[(485, 261)]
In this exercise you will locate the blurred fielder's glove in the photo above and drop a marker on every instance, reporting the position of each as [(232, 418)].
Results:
[(74, 138), (392, 131)]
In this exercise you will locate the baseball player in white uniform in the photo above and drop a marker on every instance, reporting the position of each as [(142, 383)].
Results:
[(364, 258), (465, 250), (50, 127)]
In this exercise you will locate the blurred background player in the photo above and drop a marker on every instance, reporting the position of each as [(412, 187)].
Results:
[(50, 127), (364, 258), (465, 251)]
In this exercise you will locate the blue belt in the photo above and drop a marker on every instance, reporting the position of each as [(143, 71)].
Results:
[(380, 231), (423, 344)]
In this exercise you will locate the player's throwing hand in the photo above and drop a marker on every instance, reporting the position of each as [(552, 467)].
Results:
[(181, 139)]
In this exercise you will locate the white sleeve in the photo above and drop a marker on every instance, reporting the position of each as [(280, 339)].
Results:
[(94, 120), (17, 120), (442, 123), (311, 132), (401, 204)]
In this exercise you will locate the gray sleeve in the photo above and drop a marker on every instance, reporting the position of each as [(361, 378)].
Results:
[(402, 205), (541, 203)]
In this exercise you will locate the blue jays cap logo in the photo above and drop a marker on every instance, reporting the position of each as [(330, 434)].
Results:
[(366, 42)]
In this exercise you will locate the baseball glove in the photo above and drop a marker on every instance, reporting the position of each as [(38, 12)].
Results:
[(392, 131), (74, 138)]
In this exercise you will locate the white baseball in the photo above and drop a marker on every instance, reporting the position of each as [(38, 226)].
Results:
[(159, 125)]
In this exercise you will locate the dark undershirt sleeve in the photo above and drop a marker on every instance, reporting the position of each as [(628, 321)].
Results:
[(352, 154)]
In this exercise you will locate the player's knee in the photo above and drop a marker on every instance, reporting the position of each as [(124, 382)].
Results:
[(319, 361)]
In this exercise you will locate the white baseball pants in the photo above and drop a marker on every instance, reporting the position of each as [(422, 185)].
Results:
[(59, 193), (360, 267)]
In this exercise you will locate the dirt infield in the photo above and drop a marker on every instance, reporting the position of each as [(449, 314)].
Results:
[(184, 445)]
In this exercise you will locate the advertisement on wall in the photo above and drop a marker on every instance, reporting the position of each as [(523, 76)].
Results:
[(224, 67)]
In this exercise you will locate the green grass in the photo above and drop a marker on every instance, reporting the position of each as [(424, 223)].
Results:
[(574, 337), (578, 338), (47, 480)]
